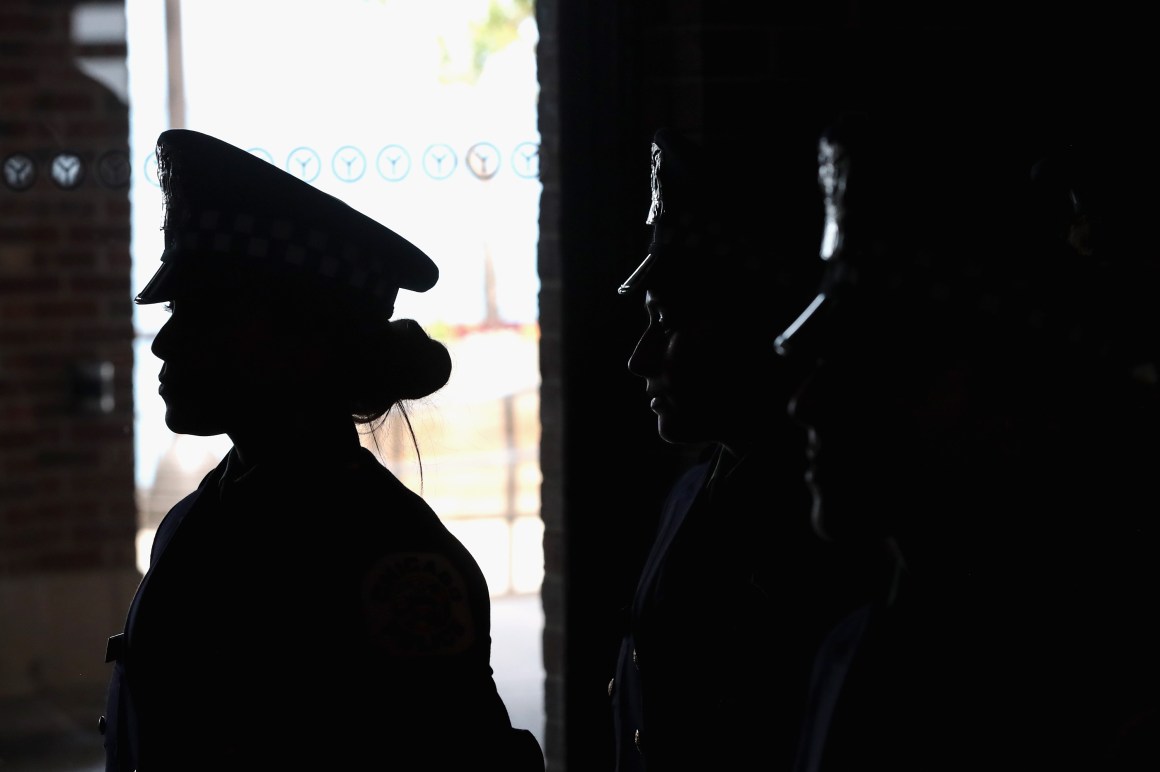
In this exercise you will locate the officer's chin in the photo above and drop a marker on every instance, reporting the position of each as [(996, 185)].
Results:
[(818, 519), (831, 520), (676, 432), (182, 422), (665, 428)]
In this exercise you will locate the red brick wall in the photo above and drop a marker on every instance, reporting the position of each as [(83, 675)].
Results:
[(67, 510)]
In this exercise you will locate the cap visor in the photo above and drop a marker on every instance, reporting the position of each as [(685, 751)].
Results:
[(637, 276), (159, 288), (802, 333)]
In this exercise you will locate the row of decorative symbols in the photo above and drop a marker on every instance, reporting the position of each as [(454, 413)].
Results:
[(66, 169), (348, 164)]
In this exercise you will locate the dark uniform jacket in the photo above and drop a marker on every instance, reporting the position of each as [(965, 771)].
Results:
[(932, 680), (997, 671), (730, 606), (312, 614)]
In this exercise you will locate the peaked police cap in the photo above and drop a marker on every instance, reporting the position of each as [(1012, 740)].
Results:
[(235, 220), (677, 211), (732, 216)]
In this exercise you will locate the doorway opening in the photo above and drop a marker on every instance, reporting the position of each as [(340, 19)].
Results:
[(423, 116)]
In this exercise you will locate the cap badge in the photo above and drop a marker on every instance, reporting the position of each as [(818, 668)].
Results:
[(657, 207), (833, 174)]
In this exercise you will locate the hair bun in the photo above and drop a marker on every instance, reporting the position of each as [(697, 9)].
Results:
[(421, 364)]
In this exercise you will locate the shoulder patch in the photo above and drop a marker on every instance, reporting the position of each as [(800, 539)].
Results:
[(415, 605)]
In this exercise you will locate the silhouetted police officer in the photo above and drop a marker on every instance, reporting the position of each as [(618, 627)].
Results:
[(736, 589), (983, 394), (302, 607)]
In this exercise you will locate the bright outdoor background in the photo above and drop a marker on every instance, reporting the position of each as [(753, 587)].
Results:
[(421, 114)]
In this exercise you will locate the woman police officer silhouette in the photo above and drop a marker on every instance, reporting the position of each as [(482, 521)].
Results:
[(302, 608)]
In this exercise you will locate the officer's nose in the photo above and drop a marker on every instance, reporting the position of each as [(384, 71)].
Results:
[(802, 407), (163, 341), (639, 362)]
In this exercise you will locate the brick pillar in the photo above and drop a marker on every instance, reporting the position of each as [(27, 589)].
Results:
[(67, 510)]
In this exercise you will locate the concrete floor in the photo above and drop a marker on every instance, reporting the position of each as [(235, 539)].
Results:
[(42, 736)]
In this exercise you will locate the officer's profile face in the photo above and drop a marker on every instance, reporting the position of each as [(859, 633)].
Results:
[(887, 405), (704, 371), (882, 407), (201, 361), (885, 435), (225, 360)]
